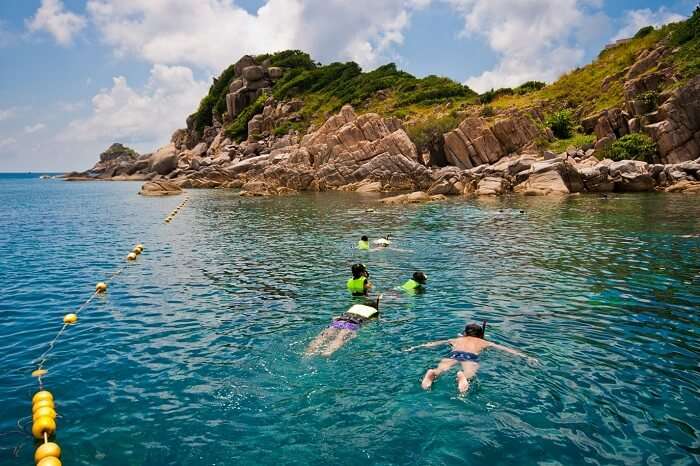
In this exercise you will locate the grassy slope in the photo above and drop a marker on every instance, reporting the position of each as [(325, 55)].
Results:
[(581, 90), (434, 105)]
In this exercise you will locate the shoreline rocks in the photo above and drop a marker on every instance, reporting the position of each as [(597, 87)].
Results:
[(368, 153)]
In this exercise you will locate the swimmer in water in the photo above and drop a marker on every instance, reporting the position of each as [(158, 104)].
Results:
[(359, 284), (465, 350), (416, 284), (343, 329), (363, 244)]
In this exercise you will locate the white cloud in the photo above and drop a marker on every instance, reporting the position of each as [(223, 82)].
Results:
[(214, 33), (34, 128), (7, 113), (70, 107), (7, 142), (634, 20), (535, 39), (56, 20), (144, 118)]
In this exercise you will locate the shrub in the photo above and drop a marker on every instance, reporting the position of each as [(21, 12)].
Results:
[(636, 146), (577, 141), (288, 59), (645, 31), (687, 30), (214, 100), (528, 87), (560, 124), (487, 111), (238, 129), (423, 132), (489, 96), (650, 99)]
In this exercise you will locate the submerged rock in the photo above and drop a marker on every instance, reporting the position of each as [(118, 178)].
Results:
[(413, 198)]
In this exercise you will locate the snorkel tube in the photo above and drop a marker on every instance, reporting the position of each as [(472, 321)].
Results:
[(483, 329)]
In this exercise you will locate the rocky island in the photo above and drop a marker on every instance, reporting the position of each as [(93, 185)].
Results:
[(282, 123)]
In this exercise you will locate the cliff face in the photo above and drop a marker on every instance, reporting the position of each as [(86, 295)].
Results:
[(279, 123)]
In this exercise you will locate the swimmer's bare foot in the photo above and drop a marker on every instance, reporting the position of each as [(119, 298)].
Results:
[(462, 382), (428, 379)]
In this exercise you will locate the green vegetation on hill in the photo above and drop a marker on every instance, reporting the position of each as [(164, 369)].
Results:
[(434, 104), (326, 88), (599, 85), (636, 146)]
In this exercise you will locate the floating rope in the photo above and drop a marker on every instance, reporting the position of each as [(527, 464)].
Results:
[(177, 209), (43, 407)]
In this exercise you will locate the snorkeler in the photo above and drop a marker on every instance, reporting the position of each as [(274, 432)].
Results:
[(465, 350), (417, 283), (382, 242), (363, 244), (359, 284), (343, 329)]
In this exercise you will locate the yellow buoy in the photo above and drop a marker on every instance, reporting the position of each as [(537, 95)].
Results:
[(42, 404), (70, 318), (42, 395), (47, 450), (44, 411), (49, 461), (101, 287), (43, 425), (39, 372), (140, 246), (131, 256)]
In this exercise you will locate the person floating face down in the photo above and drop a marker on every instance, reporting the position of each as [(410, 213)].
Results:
[(359, 284), (416, 284), (465, 350), (382, 242), (363, 244), (343, 329)]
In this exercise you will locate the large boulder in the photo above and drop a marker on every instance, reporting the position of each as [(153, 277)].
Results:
[(160, 188), (491, 186), (164, 160), (118, 153), (555, 176), (677, 127), (688, 187), (631, 176), (477, 141)]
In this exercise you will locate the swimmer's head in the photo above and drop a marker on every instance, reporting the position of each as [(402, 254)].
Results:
[(475, 330), (359, 270), (420, 277), (364, 238)]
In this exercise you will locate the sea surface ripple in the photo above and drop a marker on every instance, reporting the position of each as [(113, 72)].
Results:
[(195, 354)]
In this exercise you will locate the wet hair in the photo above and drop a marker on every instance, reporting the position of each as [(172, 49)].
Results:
[(358, 270), (364, 238), (420, 277), (475, 330)]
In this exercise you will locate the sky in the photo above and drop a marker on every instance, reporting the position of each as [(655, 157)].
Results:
[(78, 75)]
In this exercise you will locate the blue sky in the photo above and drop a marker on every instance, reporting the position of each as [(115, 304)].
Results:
[(78, 75)]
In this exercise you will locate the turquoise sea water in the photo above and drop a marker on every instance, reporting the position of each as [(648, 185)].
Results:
[(195, 355)]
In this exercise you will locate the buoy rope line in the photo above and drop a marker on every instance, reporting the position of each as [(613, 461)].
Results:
[(177, 209), (43, 407)]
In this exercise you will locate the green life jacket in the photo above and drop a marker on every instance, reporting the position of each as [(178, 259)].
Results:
[(411, 285), (363, 244), (357, 285)]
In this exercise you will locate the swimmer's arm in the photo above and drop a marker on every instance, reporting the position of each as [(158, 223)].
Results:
[(512, 351), (432, 344)]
